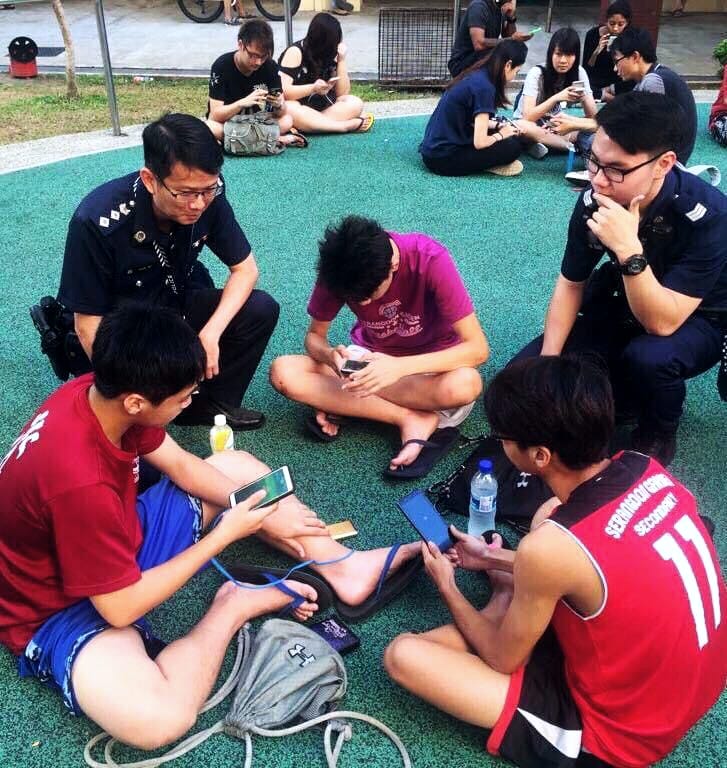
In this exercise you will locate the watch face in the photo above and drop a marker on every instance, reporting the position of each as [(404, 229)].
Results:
[(635, 265)]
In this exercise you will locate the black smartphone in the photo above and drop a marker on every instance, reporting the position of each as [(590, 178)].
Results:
[(336, 634), (425, 518), (277, 485), (351, 366)]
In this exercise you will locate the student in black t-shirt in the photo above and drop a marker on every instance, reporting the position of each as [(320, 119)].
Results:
[(316, 84), (483, 24), (597, 52), (246, 81)]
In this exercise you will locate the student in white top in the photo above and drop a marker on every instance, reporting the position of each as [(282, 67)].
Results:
[(549, 87)]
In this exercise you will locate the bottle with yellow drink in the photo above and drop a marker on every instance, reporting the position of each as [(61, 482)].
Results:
[(221, 435)]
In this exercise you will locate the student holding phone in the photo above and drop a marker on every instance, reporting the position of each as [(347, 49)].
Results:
[(416, 330), (605, 639), (597, 52), (83, 557), (316, 85), (559, 81)]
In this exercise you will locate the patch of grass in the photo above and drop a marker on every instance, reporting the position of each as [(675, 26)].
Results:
[(38, 107)]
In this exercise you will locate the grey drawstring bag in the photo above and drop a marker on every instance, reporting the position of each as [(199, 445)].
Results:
[(283, 673)]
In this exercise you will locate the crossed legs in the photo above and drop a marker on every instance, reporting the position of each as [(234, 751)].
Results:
[(343, 116), (410, 404), (149, 703)]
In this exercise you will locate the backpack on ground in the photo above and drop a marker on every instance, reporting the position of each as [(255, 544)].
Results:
[(250, 135), (285, 672)]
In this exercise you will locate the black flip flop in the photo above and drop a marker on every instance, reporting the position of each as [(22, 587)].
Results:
[(312, 425), (256, 574), (386, 589), (302, 142), (439, 444)]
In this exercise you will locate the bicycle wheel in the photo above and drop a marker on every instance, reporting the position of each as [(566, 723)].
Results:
[(201, 11), (274, 9)]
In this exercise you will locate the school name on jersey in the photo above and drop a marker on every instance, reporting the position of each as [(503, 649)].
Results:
[(626, 510)]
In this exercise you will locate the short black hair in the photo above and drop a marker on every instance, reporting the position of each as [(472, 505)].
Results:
[(563, 403), (633, 40), (178, 138), (257, 31), (354, 258), (147, 350), (620, 7), (641, 121)]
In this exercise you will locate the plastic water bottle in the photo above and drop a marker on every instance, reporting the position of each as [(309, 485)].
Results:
[(221, 435), (570, 163), (483, 500)]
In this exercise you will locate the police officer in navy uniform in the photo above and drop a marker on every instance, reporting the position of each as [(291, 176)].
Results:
[(657, 309), (139, 237)]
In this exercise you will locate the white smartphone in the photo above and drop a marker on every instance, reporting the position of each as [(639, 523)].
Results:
[(277, 485), (578, 85)]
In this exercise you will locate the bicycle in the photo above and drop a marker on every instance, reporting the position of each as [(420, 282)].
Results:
[(206, 11)]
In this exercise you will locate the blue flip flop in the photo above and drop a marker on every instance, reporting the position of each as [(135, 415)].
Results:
[(387, 588), (254, 574)]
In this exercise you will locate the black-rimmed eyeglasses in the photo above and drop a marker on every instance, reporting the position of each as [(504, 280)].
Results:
[(615, 175)]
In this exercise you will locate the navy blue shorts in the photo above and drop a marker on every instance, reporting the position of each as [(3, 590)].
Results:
[(171, 521)]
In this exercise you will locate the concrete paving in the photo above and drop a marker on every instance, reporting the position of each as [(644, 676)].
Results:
[(153, 36)]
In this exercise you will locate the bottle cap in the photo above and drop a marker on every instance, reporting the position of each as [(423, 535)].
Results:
[(485, 466), (220, 420)]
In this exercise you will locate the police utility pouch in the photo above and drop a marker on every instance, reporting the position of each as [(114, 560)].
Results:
[(58, 338), (250, 135), (519, 494), (283, 673)]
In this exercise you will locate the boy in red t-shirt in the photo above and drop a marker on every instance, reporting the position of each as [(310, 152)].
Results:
[(415, 327), (82, 559), (605, 639)]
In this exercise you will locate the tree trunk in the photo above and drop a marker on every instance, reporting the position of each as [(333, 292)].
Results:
[(71, 86)]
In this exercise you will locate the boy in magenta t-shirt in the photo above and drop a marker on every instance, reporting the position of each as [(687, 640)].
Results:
[(416, 327)]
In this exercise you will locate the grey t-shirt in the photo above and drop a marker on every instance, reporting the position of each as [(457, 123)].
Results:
[(661, 79)]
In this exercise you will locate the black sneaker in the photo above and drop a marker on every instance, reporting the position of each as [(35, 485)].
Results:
[(203, 412), (661, 447)]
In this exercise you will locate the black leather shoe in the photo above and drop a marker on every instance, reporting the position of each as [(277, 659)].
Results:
[(203, 412), (661, 447)]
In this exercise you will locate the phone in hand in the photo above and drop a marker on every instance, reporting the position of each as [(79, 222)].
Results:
[(351, 366), (579, 86), (425, 518), (277, 485)]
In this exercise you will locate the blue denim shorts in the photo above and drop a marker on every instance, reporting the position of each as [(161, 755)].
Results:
[(171, 521)]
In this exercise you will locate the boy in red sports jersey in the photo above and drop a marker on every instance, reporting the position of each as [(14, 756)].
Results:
[(605, 638)]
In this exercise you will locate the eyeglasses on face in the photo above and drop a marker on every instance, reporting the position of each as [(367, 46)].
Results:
[(254, 55), (615, 175), (191, 195)]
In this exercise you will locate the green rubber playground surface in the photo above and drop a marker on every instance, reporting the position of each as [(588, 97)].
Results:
[(507, 236)]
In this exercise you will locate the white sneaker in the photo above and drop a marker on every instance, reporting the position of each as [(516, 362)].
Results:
[(714, 176), (537, 150), (578, 178)]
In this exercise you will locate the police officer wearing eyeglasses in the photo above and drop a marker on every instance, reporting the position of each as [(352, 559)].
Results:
[(656, 311), (138, 238)]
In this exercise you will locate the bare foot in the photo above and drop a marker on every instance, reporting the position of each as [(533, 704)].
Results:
[(250, 603), (419, 425), (355, 578), (329, 427)]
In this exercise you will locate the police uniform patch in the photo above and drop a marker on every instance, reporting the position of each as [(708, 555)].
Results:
[(103, 221), (115, 215), (696, 213)]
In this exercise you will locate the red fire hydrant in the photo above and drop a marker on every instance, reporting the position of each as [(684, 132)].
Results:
[(23, 52)]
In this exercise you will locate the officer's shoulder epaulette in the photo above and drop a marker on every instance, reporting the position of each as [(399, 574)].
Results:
[(107, 208)]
